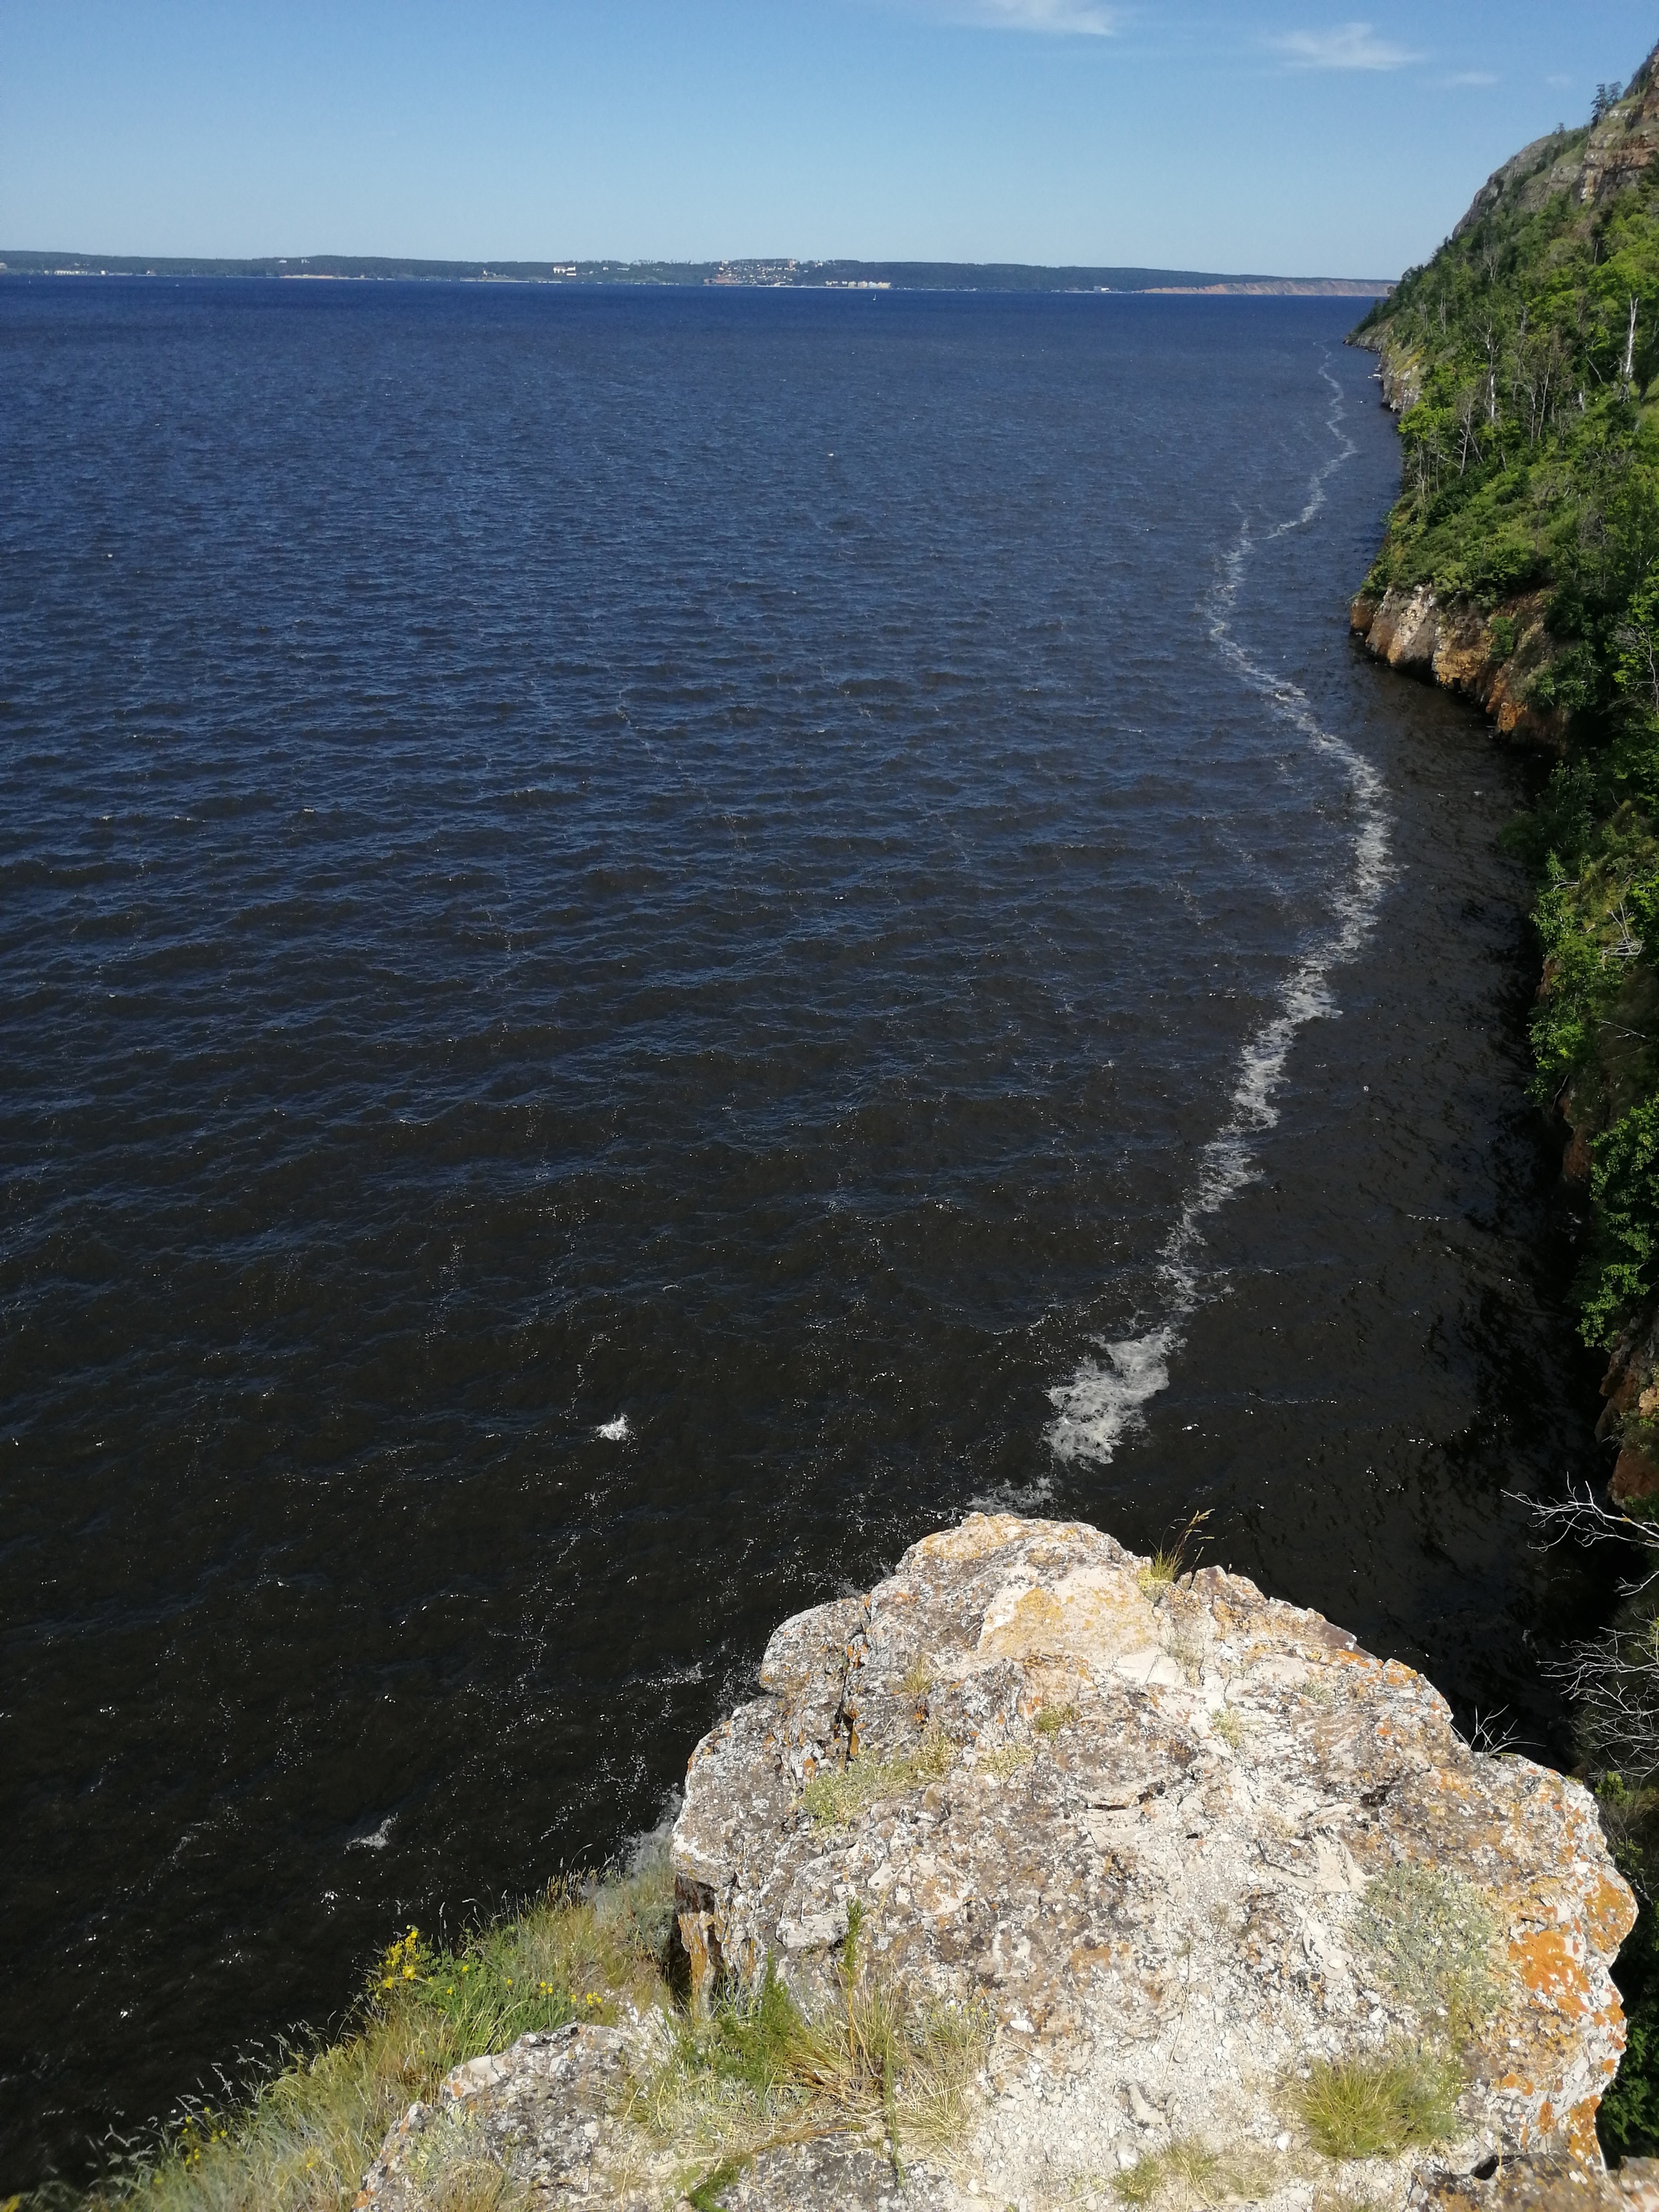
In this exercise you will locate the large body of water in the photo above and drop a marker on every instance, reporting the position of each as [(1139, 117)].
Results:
[(649, 942)]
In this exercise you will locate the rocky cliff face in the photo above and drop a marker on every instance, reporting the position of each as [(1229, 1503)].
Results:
[(1185, 1854), (1589, 167), (1490, 657), (1629, 1418)]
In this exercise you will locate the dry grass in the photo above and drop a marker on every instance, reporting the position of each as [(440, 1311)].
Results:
[(918, 1678), (756, 2071), (1168, 1565), (1376, 2103), (1228, 1727), (1006, 1758), (309, 2131), (455, 2172), (1188, 2172), (838, 1793), (1435, 1939), (1187, 1650)]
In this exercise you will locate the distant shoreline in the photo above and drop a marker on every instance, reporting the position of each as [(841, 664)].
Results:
[(771, 275)]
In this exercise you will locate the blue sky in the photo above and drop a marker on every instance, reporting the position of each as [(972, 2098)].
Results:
[(1280, 137)]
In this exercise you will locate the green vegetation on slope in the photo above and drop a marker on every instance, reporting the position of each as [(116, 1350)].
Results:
[(719, 2085), (1525, 356), (305, 2137), (1524, 359), (1529, 452)]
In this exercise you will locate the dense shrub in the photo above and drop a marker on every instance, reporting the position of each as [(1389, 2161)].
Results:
[(1623, 1271)]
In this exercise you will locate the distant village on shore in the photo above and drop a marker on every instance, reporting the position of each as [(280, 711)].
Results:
[(778, 274)]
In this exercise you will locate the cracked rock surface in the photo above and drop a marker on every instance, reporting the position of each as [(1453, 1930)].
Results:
[(1132, 1822), (1162, 1806), (549, 2117)]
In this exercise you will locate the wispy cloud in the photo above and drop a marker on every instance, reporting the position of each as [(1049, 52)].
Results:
[(1470, 76), (1060, 18), (1346, 46)]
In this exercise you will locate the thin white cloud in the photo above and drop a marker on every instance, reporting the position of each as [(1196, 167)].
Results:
[(1346, 46), (1059, 18), (1471, 76)]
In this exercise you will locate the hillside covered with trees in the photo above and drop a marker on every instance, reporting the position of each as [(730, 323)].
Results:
[(1524, 362), (1524, 358)]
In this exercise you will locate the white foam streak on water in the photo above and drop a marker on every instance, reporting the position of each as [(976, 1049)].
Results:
[(1105, 1397)]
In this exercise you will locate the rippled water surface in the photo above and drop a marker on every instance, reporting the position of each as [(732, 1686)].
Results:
[(650, 941)]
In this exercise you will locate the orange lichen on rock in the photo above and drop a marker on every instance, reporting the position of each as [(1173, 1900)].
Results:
[(1609, 1912), (1189, 1848), (1548, 1969)]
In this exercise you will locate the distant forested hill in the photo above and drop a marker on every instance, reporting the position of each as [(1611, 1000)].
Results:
[(895, 276)]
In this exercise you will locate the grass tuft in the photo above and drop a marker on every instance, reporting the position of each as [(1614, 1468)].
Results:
[(1228, 1727), (455, 2173), (755, 2070), (1375, 2104), (704, 2196), (1167, 1565), (1050, 1721), (1187, 1652), (1187, 2171), (836, 1794), (1006, 1758)]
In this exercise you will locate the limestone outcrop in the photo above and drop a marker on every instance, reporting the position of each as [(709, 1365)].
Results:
[(1182, 1851), (1616, 152), (1489, 657)]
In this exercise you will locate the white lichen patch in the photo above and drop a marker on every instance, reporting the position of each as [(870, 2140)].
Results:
[(1051, 1877), (1209, 1909)]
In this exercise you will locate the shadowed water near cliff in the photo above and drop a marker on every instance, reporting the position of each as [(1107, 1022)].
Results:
[(630, 924), (1105, 1398)]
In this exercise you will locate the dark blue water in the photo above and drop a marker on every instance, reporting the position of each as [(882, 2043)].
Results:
[(648, 942)]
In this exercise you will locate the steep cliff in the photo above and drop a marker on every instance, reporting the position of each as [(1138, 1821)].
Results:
[(1521, 568), (1045, 1878), (1491, 656)]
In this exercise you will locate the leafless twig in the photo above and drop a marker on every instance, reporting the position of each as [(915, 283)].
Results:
[(1580, 1517), (1491, 1734), (1612, 1679)]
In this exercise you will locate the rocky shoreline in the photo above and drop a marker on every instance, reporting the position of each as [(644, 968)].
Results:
[(1491, 657), (1170, 1854), (1494, 656)]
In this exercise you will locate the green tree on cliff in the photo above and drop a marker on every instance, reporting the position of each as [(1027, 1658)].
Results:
[(1526, 355)]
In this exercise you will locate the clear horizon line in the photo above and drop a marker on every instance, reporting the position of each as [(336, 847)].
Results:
[(745, 261)]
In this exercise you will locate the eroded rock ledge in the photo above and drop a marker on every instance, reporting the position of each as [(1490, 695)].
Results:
[(1135, 1824), (1491, 658)]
